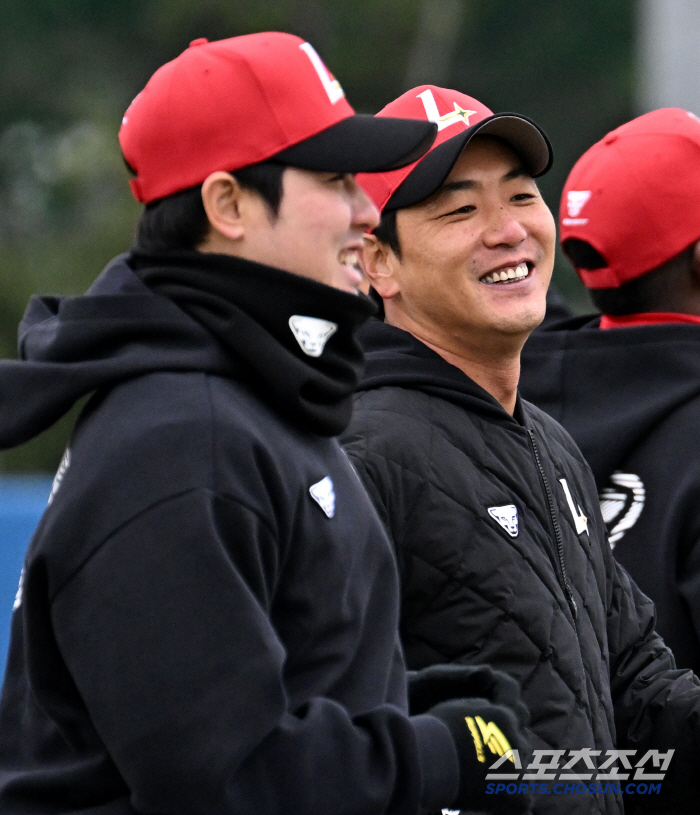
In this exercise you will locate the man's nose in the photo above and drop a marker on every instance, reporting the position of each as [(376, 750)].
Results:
[(504, 229), (364, 211)]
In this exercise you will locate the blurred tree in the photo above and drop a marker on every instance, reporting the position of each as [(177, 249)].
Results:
[(69, 69)]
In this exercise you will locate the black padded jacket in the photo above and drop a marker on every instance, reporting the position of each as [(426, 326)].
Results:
[(503, 559)]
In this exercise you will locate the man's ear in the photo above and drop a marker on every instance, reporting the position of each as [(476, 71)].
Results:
[(224, 203), (380, 264)]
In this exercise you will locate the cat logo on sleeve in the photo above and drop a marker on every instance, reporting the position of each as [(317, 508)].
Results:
[(324, 495)]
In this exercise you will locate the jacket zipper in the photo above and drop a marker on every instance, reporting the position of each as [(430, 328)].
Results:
[(555, 526)]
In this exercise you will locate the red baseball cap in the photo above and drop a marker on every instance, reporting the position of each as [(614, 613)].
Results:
[(224, 105), (458, 118), (635, 196)]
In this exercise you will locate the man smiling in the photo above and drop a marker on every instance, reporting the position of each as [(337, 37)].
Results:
[(493, 513)]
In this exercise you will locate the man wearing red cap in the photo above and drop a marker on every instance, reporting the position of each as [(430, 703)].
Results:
[(626, 384), (492, 510), (206, 621)]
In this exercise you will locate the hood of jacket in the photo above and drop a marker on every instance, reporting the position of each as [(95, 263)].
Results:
[(123, 328), (611, 388)]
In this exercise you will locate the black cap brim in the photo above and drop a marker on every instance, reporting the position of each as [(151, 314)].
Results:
[(526, 138), (362, 144)]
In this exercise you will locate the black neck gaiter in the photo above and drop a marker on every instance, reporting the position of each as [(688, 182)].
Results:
[(294, 337)]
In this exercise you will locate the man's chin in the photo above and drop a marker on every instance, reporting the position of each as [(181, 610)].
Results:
[(521, 324)]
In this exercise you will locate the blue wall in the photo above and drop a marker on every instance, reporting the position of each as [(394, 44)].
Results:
[(22, 500)]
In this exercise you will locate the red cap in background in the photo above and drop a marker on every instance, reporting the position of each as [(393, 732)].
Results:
[(635, 196), (224, 105)]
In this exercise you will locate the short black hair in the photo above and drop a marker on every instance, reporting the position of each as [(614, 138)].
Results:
[(387, 233), (179, 222), (647, 293)]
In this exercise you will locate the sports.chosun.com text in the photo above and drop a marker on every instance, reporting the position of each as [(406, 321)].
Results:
[(573, 789)]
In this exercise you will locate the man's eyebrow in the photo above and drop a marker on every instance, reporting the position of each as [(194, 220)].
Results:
[(517, 172), (457, 186)]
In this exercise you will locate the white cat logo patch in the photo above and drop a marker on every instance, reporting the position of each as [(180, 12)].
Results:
[(324, 495), (622, 504), (580, 520), (507, 517), (312, 333)]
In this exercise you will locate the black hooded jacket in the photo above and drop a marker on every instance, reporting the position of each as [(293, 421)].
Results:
[(206, 621), (630, 397), (503, 559)]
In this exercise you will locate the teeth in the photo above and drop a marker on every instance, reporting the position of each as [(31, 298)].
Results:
[(514, 273), (349, 258)]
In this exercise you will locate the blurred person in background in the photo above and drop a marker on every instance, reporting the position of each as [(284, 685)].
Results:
[(207, 616), (626, 384), (491, 508)]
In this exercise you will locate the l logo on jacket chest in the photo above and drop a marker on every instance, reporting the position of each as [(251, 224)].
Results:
[(507, 517), (580, 520)]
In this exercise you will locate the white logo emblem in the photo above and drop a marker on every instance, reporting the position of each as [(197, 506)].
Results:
[(576, 200), (580, 520), (622, 504), (451, 118), (324, 495), (311, 333), (20, 592), (60, 474), (507, 517), (330, 83)]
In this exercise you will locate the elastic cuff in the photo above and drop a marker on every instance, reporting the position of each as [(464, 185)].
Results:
[(438, 760)]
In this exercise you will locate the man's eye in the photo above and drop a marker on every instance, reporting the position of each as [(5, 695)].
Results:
[(465, 210), (523, 196)]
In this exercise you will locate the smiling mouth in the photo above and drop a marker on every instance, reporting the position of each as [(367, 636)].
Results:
[(350, 260), (510, 274), (350, 257)]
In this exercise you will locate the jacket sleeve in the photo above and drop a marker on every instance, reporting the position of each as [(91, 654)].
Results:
[(682, 525), (166, 631), (657, 707), (689, 580)]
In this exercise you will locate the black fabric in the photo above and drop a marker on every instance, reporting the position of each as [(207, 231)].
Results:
[(245, 305), (436, 452), (630, 398), (362, 144), (438, 683), (207, 615), (72, 346)]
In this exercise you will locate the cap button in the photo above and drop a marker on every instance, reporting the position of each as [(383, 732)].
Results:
[(610, 138), (199, 41)]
